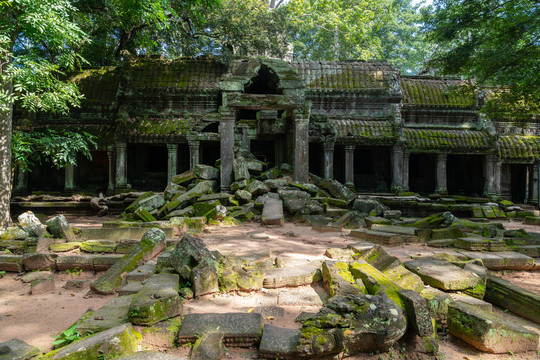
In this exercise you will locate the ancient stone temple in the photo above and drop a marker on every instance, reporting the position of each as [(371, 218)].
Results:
[(361, 123)]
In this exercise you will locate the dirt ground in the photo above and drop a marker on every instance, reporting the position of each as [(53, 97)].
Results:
[(36, 319)]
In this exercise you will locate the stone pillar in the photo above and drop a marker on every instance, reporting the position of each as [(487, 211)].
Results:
[(533, 184), (172, 160), (441, 187), (328, 164), (227, 148), (245, 140), (497, 176), (349, 165), (194, 153), (397, 167), (21, 185), (301, 147), (121, 165), (406, 156), (111, 154), (489, 174), (69, 184)]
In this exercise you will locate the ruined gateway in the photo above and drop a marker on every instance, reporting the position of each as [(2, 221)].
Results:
[(361, 123)]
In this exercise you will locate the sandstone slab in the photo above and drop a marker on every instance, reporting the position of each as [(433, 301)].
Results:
[(279, 343), (443, 275), (16, 349), (291, 276)]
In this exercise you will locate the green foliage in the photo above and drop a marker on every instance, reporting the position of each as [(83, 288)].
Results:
[(74, 272), (495, 41), (66, 337), (58, 147)]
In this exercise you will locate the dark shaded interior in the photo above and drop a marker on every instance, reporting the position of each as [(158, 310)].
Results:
[(265, 82), (465, 175), (372, 169), (148, 168), (316, 159), (263, 150), (210, 152), (422, 173)]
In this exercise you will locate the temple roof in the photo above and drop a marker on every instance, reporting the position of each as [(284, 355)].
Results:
[(447, 140), (372, 132), (519, 147), (437, 92)]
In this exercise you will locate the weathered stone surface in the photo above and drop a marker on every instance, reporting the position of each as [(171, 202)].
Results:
[(185, 199), (502, 260), (114, 313), (257, 188), (294, 200), (134, 205), (209, 346), (92, 246), (206, 172), (452, 232), (488, 331), (158, 300), (184, 178), (338, 190), (64, 247), (173, 189), (14, 233), (152, 202), (152, 243), (514, 298), (59, 227), (377, 237), (352, 323), (143, 272), (478, 244), (437, 302), (338, 280), (132, 287), (239, 329), (279, 343), (436, 221), (16, 349), (273, 212), (42, 286), (31, 224), (292, 276), (472, 301), (38, 261), (111, 343), (417, 312), (339, 254), (361, 247), (240, 169), (443, 275), (36, 275), (369, 207), (75, 262), (144, 215), (76, 284), (301, 296), (149, 355), (104, 261), (243, 195)]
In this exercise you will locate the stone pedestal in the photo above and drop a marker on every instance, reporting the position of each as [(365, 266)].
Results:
[(227, 148), (441, 187), (533, 184), (406, 156), (328, 164), (69, 179), (349, 165), (397, 167), (172, 160), (121, 166), (301, 147), (111, 154), (194, 153)]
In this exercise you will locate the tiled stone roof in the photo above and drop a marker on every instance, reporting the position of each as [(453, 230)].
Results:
[(519, 147), (376, 132), (437, 92), (147, 127), (345, 75), (447, 140), (99, 86)]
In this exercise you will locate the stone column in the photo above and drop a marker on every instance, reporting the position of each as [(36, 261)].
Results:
[(533, 184), (397, 167), (172, 160), (349, 165), (21, 185), (406, 156), (194, 153), (497, 176), (301, 147), (441, 187), (111, 154), (121, 165), (227, 148), (489, 173), (69, 184), (328, 164), (245, 140)]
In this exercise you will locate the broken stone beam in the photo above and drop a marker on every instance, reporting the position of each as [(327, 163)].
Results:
[(273, 212), (488, 331), (509, 296), (152, 243), (379, 237)]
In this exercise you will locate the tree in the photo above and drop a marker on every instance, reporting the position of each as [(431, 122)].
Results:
[(495, 41), (37, 39)]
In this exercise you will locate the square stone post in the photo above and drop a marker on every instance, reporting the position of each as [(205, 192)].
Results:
[(228, 118), (441, 187), (121, 165), (533, 184), (497, 176), (21, 185), (69, 178), (397, 167), (194, 153), (406, 156), (349, 165), (172, 160), (489, 173), (111, 154), (301, 146), (328, 159)]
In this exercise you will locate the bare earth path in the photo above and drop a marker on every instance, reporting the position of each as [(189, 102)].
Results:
[(36, 318)]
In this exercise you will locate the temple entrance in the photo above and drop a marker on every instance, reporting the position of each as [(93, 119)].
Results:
[(147, 166), (422, 173), (264, 150), (46, 178), (372, 169), (514, 182), (210, 152), (93, 175), (465, 175), (339, 163), (316, 159)]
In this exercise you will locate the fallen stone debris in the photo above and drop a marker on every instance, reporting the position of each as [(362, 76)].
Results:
[(371, 298)]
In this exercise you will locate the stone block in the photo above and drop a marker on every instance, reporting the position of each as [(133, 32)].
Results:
[(64, 247), (443, 275), (16, 349), (472, 301), (301, 296), (59, 227), (114, 313), (42, 286), (338, 190), (240, 169), (452, 232), (272, 213), (31, 224), (143, 272), (377, 237), (105, 261), (73, 262), (488, 331), (292, 276), (437, 302), (338, 280), (40, 261), (279, 343), (257, 188), (339, 254), (417, 313), (144, 215), (11, 262), (206, 172), (361, 247), (98, 246), (148, 355), (208, 347), (239, 329)]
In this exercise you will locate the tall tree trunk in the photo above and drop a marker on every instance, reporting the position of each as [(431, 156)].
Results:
[(5, 153)]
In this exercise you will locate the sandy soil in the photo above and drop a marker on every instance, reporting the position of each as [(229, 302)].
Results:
[(37, 318)]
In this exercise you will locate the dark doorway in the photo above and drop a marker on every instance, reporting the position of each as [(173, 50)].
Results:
[(93, 175), (265, 82), (514, 182), (465, 175), (339, 163), (210, 152), (372, 169), (46, 178), (183, 158), (264, 150), (147, 166), (422, 173), (316, 159)]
